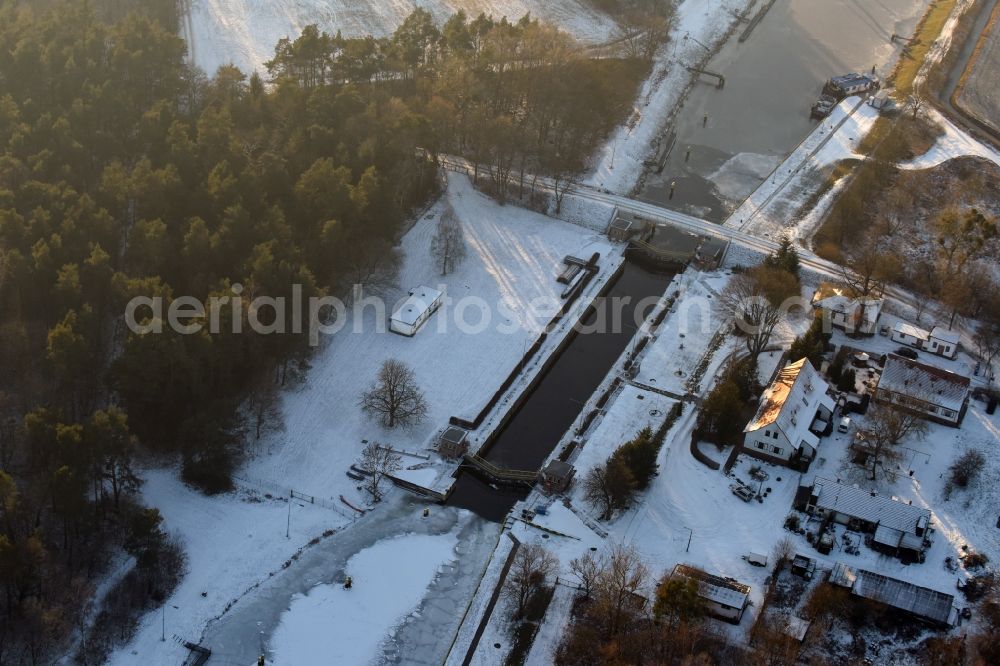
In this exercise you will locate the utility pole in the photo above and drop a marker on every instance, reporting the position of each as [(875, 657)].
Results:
[(690, 535), (288, 522)]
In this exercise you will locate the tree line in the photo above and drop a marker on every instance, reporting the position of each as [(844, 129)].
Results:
[(125, 172), (516, 98)]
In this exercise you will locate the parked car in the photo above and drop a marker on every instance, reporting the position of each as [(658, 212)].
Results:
[(906, 352), (742, 492), (844, 425)]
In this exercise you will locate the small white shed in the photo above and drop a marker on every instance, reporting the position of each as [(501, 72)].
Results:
[(415, 310), (943, 342)]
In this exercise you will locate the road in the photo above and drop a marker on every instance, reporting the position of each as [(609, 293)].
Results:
[(945, 99)]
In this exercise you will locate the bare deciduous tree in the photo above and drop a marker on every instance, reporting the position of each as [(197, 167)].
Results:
[(394, 398), (532, 565), (372, 267), (620, 585), (755, 301), (987, 339), (378, 461), (866, 271), (888, 426), (587, 569), (448, 245), (265, 406)]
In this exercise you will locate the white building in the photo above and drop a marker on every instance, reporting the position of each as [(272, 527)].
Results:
[(724, 598), (933, 392), (852, 315), (943, 342), (939, 341), (909, 334), (415, 310), (792, 410)]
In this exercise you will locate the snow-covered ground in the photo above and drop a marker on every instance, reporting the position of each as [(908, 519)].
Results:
[(245, 32), (955, 142), (619, 162), (684, 337), (388, 581), (513, 259), (689, 514), (235, 541)]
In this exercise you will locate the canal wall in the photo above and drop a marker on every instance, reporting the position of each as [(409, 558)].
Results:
[(525, 393), (551, 327)]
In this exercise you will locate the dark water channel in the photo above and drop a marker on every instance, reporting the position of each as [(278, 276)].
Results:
[(557, 400), (771, 81)]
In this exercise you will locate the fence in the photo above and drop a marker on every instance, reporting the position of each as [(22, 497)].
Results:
[(286, 491)]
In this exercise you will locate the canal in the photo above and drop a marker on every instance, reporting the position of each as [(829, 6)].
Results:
[(556, 401), (772, 79)]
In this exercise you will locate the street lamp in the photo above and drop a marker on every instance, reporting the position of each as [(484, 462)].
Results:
[(163, 621)]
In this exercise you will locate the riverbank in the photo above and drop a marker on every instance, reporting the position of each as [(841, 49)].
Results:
[(700, 28), (730, 141)]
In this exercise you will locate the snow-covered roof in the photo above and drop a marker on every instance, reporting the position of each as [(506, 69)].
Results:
[(454, 434), (791, 403), (889, 536), (723, 591), (852, 80), (861, 504), (920, 601), (420, 300), (911, 330), (945, 335), (927, 383)]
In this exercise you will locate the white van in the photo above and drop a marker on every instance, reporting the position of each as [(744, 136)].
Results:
[(845, 424)]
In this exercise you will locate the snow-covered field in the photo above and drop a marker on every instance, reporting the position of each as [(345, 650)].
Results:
[(245, 32), (332, 622), (234, 541), (513, 259)]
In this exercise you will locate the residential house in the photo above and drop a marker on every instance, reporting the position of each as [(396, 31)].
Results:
[(897, 528), (939, 341), (911, 335), (943, 342), (937, 608), (792, 411), (724, 598), (855, 316), (933, 392)]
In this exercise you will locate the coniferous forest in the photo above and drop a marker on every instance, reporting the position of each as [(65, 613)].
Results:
[(126, 172)]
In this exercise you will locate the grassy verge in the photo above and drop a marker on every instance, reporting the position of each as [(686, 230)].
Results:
[(912, 59)]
